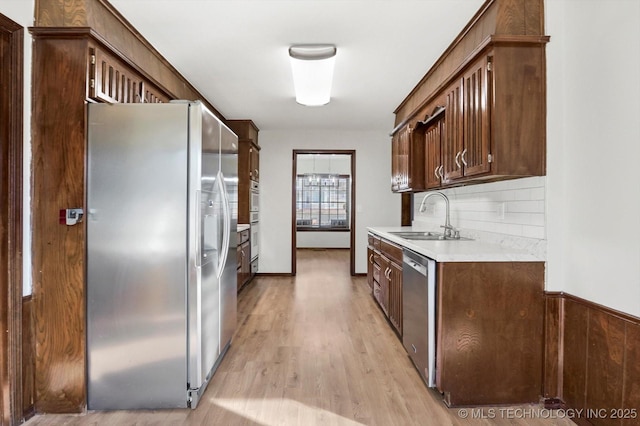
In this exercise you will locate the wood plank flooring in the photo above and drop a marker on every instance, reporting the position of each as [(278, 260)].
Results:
[(313, 350)]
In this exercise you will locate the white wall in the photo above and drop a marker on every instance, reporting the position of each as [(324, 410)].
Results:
[(375, 205), (593, 187), (21, 12)]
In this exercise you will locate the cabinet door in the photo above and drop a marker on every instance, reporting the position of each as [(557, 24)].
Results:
[(370, 267), (476, 137), (383, 295), (254, 163), (400, 145), (452, 145), (395, 296), (407, 161), (433, 160)]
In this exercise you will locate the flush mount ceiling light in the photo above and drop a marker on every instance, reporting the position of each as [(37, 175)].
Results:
[(312, 67)]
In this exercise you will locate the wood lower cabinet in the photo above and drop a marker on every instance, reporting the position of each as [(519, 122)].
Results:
[(489, 337), (489, 324), (244, 258), (384, 273), (394, 310), (370, 266)]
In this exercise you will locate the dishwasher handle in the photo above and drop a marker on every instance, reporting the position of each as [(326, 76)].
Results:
[(422, 269)]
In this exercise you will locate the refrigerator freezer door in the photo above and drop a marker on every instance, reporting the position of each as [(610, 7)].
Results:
[(207, 211), (229, 280), (136, 256)]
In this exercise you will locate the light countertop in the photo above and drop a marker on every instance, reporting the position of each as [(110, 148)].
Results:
[(242, 227), (458, 251)]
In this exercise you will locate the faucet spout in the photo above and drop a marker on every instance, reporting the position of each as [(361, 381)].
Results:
[(447, 223)]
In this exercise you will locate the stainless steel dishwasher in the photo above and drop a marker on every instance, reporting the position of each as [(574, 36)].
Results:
[(419, 313)]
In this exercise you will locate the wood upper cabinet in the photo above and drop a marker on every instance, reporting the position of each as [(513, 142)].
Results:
[(254, 163), (431, 129), (476, 90), (452, 144), (248, 164), (466, 144), (492, 83), (407, 160), (113, 81)]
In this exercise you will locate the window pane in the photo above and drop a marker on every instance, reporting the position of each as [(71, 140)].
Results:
[(322, 201)]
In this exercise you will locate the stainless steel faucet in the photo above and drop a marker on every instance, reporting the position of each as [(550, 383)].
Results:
[(448, 229)]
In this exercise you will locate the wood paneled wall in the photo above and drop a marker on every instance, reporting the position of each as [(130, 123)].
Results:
[(64, 36), (11, 142), (592, 360)]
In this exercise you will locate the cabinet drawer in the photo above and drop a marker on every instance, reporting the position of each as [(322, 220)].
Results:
[(376, 242), (376, 272), (391, 250), (243, 236)]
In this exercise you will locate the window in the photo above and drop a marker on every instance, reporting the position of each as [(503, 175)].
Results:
[(322, 202)]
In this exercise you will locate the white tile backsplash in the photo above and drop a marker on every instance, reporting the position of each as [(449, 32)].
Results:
[(507, 212)]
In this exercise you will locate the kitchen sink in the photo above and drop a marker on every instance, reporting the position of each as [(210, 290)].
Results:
[(426, 236)]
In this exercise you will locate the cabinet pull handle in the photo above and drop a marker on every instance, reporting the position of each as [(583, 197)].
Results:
[(441, 171), (256, 170), (371, 258), (457, 161), (435, 172), (462, 157)]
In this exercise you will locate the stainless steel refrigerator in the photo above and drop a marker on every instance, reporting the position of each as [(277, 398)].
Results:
[(161, 253)]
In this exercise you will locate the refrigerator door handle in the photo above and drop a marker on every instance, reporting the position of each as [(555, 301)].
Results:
[(197, 225), (222, 259)]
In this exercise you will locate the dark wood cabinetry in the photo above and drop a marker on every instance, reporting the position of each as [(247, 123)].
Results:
[(112, 80), (407, 161), (384, 274), (489, 338), (248, 164), (244, 258), (492, 83), (489, 324)]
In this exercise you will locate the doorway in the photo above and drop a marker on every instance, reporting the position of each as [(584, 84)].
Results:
[(11, 68), (323, 200)]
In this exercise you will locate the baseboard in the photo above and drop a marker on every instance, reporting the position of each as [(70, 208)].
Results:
[(274, 274)]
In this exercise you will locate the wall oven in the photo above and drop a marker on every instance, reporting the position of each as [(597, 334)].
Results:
[(254, 197), (254, 240)]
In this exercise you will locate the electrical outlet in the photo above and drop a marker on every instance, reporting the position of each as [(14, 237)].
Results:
[(500, 210)]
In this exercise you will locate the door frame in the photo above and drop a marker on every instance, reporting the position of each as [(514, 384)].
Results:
[(352, 213), (11, 113)]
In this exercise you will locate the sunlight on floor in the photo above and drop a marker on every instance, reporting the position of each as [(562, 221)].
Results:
[(272, 412)]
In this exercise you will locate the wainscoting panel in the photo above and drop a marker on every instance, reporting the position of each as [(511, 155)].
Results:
[(598, 358)]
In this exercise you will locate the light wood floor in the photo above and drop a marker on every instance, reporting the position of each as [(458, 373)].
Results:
[(313, 350)]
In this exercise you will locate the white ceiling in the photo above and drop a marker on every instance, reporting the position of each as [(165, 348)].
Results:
[(235, 53)]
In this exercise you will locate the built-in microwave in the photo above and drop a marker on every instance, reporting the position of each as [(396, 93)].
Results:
[(254, 197)]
